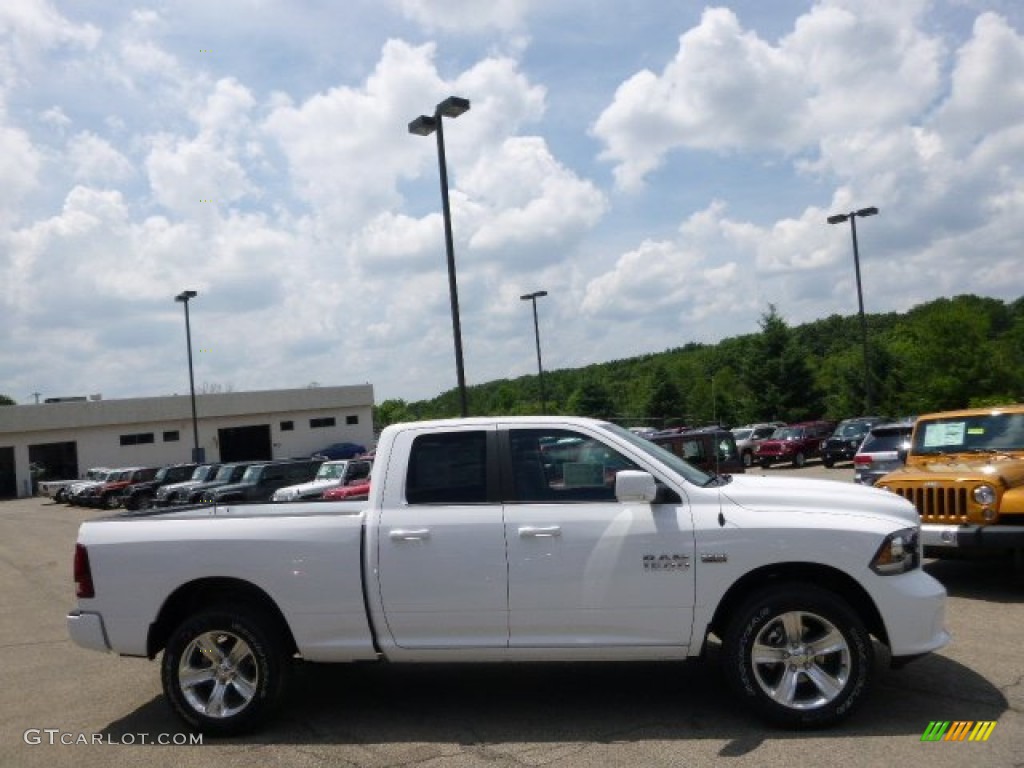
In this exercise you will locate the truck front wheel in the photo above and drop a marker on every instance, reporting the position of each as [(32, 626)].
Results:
[(224, 670), (798, 655)]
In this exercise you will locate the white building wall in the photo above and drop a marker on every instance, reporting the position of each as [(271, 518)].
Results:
[(97, 427)]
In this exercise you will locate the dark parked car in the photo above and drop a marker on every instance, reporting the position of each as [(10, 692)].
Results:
[(794, 443), (844, 442), (340, 451), (712, 449), (174, 493), (228, 473), (261, 480), (140, 495), (883, 450)]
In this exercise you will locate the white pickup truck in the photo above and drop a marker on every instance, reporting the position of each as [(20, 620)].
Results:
[(518, 539)]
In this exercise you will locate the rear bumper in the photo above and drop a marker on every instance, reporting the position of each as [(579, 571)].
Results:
[(87, 631), (972, 536)]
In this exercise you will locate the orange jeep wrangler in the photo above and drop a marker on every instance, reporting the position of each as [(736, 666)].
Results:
[(965, 475)]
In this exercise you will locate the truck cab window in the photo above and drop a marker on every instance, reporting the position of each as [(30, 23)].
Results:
[(448, 468), (556, 465)]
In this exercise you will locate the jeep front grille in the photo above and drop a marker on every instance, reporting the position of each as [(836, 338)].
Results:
[(936, 505)]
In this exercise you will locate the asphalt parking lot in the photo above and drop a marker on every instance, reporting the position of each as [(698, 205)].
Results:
[(62, 705)]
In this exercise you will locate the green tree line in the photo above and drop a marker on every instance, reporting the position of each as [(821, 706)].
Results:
[(944, 354)]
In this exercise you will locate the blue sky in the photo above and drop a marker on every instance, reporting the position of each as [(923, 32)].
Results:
[(663, 169)]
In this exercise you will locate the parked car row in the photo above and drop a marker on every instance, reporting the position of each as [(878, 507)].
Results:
[(141, 488)]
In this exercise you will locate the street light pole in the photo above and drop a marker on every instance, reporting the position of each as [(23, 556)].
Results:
[(532, 297), (839, 219), (424, 125), (184, 298)]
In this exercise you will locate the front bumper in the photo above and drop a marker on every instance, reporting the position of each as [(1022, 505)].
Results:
[(913, 608), (962, 537)]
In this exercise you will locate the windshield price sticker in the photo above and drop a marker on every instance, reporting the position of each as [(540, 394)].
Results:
[(938, 435)]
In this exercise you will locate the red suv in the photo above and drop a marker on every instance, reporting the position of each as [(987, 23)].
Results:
[(794, 443)]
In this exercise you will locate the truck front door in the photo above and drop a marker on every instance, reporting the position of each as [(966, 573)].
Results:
[(584, 569)]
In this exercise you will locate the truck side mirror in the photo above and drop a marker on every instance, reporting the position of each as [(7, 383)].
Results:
[(634, 486)]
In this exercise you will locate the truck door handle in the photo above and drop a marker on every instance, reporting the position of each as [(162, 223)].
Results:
[(400, 534), (541, 532)]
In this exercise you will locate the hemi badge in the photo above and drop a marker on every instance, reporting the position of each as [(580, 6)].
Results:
[(719, 557)]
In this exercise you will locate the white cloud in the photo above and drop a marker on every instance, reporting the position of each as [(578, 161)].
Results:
[(467, 15), (94, 160), (842, 71), (529, 201)]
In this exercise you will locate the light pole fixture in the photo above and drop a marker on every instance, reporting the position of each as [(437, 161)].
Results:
[(197, 453), (839, 218), (532, 297), (424, 125)]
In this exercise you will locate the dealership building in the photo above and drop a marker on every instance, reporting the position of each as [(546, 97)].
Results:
[(61, 440)]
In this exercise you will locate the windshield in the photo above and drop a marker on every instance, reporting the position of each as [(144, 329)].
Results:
[(225, 472), (849, 431), (252, 474), (203, 474), (742, 434), (982, 433), (787, 433), (330, 471), (161, 474), (663, 456)]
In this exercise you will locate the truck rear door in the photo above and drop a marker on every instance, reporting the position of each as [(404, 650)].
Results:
[(441, 544)]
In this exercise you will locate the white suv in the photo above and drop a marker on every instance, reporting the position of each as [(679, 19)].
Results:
[(750, 436), (330, 475)]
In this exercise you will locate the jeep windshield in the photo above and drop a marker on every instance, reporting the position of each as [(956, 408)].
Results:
[(989, 433), (787, 433), (850, 431), (330, 471)]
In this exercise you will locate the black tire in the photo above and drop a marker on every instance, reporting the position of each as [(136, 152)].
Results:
[(829, 463), (58, 497), (143, 501), (799, 460), (748, 459), (765, 622), (110, 501), (235, 666), (765, 463)]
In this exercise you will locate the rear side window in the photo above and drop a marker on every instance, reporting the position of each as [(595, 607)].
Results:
[(885, 441), (448, 468)]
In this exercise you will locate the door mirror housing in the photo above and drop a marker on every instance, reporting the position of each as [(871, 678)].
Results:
[(634, 486)]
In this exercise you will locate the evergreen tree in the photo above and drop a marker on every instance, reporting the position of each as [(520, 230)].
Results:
[(591, 399)]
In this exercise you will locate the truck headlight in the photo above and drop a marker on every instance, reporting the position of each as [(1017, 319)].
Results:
[(984, 495), (899, 553)]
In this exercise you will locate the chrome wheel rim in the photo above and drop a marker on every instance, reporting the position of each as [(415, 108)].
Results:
[(801, 660), (218, 674)]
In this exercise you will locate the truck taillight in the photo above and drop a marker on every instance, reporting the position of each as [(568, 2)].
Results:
[(83, 573), (861, 460)]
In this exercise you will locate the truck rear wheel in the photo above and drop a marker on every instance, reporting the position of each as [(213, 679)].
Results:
[(798, 655), (224, 670)]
